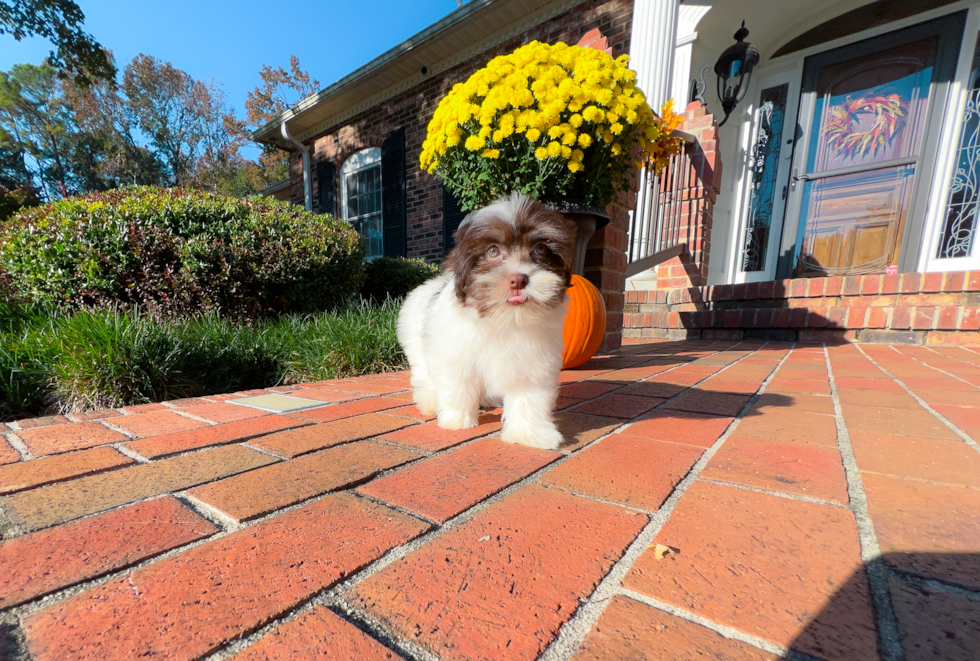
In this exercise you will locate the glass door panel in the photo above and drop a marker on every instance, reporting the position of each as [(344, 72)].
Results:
[(872, 110), (853, 222)]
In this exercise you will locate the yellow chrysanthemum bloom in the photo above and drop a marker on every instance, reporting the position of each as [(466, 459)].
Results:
[(567, 96)]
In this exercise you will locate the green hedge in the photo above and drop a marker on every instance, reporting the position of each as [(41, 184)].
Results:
[(388, 277), (53, 362), (173, 251)]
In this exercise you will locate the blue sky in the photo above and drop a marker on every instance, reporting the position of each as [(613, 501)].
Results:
[(229, 41)]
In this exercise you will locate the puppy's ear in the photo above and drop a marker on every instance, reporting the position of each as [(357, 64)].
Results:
[(459, 261), (567, 250)]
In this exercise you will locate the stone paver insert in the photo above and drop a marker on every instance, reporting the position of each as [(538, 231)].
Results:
[(712, 500)]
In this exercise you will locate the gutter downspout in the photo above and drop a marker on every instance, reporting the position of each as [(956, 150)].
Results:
[(307, 178)]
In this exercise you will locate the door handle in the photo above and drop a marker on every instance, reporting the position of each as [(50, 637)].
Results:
[(796, 178)]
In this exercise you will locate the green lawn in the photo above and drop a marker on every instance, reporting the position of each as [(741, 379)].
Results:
[(56, 362)]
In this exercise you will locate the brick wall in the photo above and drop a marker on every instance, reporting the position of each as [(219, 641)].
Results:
[(413, 109), (908, 308)]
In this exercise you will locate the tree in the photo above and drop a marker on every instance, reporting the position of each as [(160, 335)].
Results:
[(16, 188), (280, 89), (182, 118), (76, 54), (34, 122)]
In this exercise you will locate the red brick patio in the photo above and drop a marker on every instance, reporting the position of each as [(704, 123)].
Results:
[(713, 500)]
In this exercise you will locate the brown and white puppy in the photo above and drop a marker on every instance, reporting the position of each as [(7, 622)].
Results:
[(488, 329)]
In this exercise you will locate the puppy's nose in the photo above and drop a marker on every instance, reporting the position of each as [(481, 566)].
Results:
[(518, 281)]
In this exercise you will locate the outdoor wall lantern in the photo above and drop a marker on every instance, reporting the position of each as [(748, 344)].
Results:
[(734, 70)]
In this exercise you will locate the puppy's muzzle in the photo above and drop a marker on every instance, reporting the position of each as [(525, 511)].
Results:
[(518, 283)]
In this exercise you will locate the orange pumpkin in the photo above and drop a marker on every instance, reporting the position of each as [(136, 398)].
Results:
[(585, 323)]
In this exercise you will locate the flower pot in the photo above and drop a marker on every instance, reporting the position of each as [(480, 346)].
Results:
[(587, 218)]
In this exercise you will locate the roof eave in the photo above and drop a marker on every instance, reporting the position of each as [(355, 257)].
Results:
[(270, 133)]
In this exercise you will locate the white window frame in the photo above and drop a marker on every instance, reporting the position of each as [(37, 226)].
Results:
[(358, 162)]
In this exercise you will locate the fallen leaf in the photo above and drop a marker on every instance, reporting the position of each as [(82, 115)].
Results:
[(660, 551)]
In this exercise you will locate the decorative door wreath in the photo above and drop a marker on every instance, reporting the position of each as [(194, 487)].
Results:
[(890, 114)]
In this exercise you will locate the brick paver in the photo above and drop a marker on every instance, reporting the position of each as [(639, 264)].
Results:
[(28, 474), (43, 441), (220, 532), (631, 630), (188, 604), (481, 583), (41, 562), (193, 439), (430, 438), (156, 423), (295, 442), (316, 635), (57, 503), (443, 486), (267, 489), (764, 565)]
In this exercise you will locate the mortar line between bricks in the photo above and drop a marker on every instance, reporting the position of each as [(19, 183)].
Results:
[(125, 432), (933, 350), (935, 584), (921, 362), (269, 453), (888, 640), (207, 511), (334, 597), (135, 456), (720, 629), (790, 496), (959, 432), (185, 414), (377, 501), (14, 440), (575, 630)]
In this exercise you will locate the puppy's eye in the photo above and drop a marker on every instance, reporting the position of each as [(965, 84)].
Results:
[(539, 250), (493, 251)]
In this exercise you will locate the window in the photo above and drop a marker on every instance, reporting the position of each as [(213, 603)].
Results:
[(361, 183)]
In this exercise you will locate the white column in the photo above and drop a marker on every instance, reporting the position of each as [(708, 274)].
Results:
[(687, 22), (652, 46)]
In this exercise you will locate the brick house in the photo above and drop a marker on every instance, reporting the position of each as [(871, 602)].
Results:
[(837, 201)]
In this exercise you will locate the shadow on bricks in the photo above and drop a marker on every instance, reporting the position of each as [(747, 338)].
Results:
[(936, 618)]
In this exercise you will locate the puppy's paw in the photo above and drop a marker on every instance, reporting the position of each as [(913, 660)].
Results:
[(545, 437), (456, 420)]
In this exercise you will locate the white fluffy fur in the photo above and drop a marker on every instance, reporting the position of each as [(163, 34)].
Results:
[(511, 356)]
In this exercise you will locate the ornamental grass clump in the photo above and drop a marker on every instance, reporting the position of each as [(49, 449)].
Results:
[(557, 122)]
